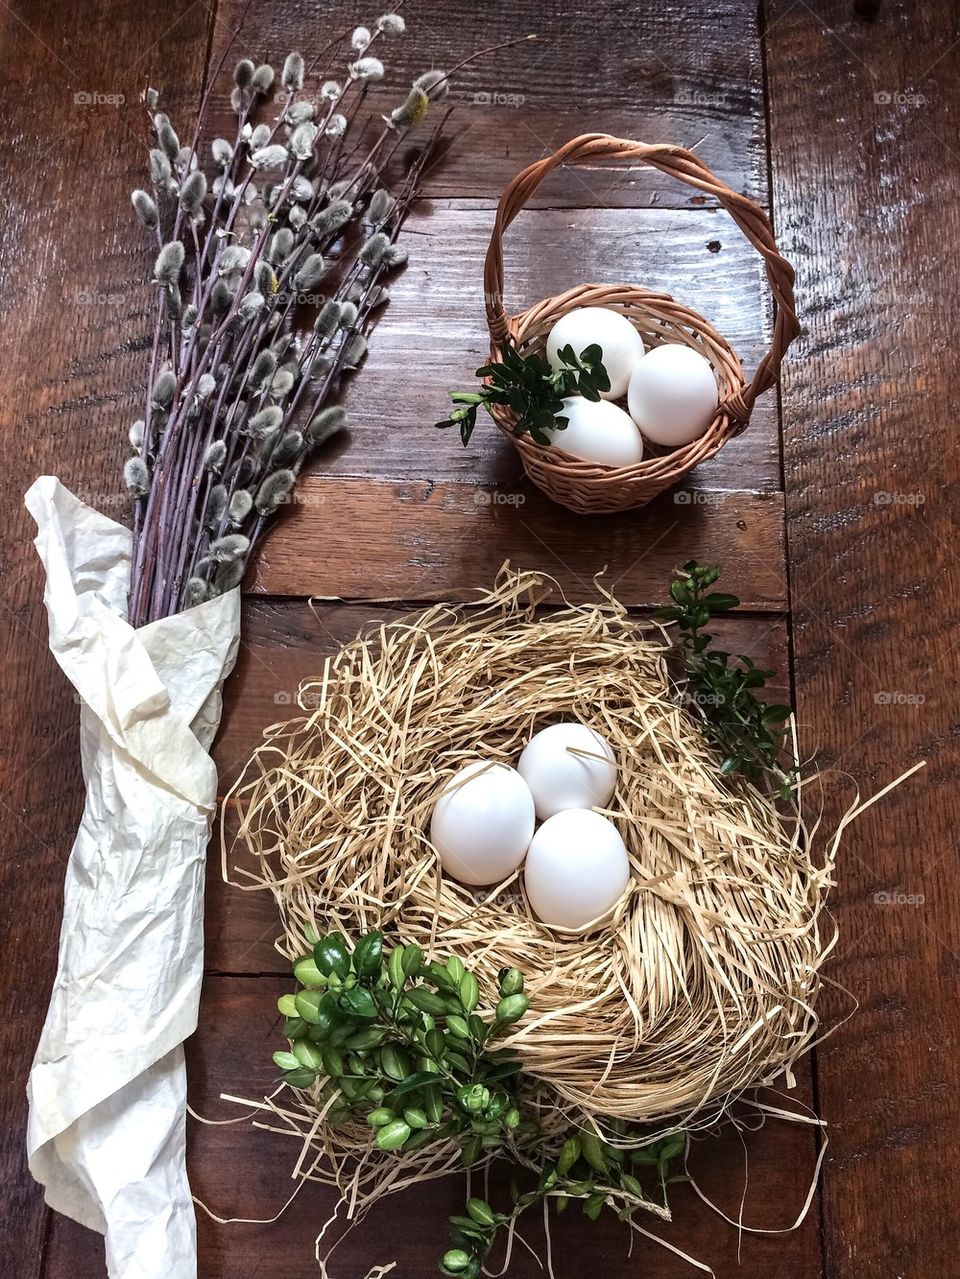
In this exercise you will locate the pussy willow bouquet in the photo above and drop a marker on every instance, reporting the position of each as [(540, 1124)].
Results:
[(273, 252)]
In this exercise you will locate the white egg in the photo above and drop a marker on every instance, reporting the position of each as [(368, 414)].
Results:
[(598, 431), (568, 766), (672, 395), (483, 822), (621, 343), (576, 871)]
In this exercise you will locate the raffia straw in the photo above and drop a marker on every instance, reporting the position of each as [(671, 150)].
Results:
[(702, 987)]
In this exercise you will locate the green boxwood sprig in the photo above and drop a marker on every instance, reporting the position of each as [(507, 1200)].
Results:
[(403, 1044), (529, 386), (748, 731)]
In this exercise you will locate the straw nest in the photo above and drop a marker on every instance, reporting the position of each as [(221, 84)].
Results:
[(704, 983)]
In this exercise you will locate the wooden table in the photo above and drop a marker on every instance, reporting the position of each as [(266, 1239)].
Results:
[(833, 519)]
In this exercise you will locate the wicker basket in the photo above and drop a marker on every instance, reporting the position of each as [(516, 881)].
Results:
[(586, 487)]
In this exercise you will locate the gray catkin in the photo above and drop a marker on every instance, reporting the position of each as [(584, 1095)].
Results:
[(228, 548), (241, 504), (327, 423), (395, 255), (373, 251), (263, 78), (292, 75), (164, 386), (160, 171), (299, 113), (263, 369), (336, 215), (169, 263), (270, 157), (137, 476), (243, 73), (195, 592), (263, 277), (282, 383), (193, 192), (281, 245), (264, 422), (232, 258), (435, 84), (167, 137), (366, 69), (382, 204), (145, 208), (354, 351), (310, 274), (251, 304), (274, 490), (287, 449), (217, 500), (328, 319), (302, 140), (221, 297), (215, 457)]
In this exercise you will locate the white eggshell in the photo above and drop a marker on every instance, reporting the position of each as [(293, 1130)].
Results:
[(576, 871), (560, 776), (621, 343), (672, 395), (483, 822), (598, 431)]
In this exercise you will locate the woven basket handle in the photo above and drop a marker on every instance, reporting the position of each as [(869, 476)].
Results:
[(687, 167)]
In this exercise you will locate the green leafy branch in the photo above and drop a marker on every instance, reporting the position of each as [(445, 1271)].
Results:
[(401, 1044), (533, 390), (748, 731)]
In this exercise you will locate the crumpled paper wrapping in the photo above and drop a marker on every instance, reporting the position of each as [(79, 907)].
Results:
[(107, 1091)]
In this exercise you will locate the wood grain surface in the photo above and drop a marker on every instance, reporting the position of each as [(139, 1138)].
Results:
[(73, 354), (872, 469), (845, 125)]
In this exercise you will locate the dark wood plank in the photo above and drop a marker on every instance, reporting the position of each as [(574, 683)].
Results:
[(422, 540), (285, 642), (866, 166), (641, 70), (239, 1171), (74, 324), (433, 336)]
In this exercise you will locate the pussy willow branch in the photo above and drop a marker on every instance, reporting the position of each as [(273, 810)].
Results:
[(268, 280)]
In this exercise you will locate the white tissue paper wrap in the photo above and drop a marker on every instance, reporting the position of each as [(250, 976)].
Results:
[(107, 1090)]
